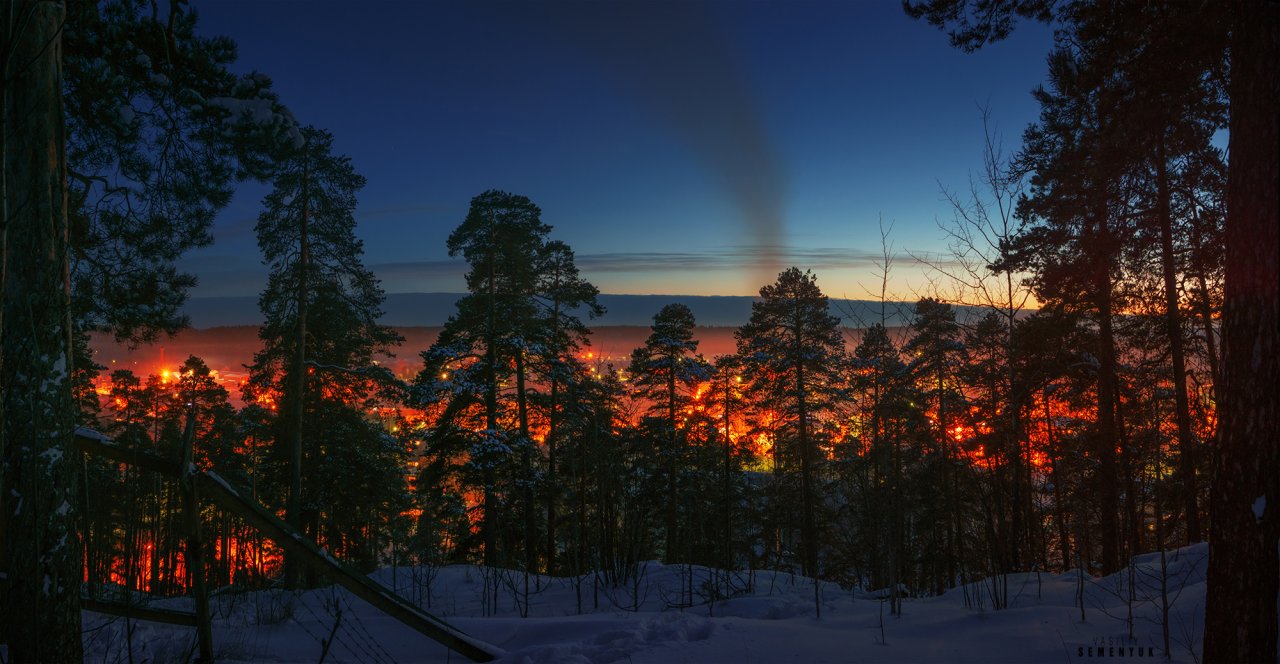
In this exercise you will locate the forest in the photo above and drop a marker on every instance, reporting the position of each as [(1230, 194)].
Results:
[(1089, 377)]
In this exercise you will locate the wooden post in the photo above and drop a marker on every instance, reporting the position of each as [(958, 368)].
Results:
[(232, 499), (194, 545), (148, 614)]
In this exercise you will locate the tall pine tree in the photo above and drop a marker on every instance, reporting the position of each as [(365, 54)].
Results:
[(793, 348), (321, 306)]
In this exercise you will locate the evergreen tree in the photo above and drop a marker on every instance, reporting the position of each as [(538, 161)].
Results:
[(501, 239), (727, 398), (794, 349), (1245, 37), (321, 332), (935, 360), (1075, 234), (216, 431), (665, 371), (1052, 366), (561, 292), (1244, 546), (122, 132), (890, 428)]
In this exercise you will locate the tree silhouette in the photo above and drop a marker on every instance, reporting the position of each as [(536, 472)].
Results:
[(793, 347)]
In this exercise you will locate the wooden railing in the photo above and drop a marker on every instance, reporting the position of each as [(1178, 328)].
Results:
[(226, 495)]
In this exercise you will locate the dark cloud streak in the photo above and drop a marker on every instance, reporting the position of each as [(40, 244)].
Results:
[(731, 258), (671, 58)]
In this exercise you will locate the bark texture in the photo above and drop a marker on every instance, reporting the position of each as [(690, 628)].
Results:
[(41, 539), (1244, 564)]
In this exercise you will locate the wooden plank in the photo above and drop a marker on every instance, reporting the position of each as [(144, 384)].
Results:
[(234, 500), (136, 612), (229, 498), (195, 550), (92, 442)]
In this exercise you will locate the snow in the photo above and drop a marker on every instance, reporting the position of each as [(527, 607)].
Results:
[(51, 455), (578, 620), (1259, 507), (258, 111), (86, 432), (225, 485)]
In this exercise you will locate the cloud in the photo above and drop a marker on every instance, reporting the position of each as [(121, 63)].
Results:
[(743, 258), (726, 259), (651, 271)]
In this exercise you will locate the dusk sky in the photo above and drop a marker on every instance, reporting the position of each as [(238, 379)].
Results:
[(679, 148)]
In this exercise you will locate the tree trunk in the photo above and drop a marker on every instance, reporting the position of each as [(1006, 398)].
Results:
[(553, 482), (1108, 493), (298, 387), (810, 530), (728, 468), (41, 542), (669, 464), (1173, 327), (1210, 335), (488, 506), (526, 469), (553, 408), (197, 579), (1244, 564)]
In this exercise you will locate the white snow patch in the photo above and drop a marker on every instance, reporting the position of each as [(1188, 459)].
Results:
[(770, 618), (1259, 507), (52, 455)]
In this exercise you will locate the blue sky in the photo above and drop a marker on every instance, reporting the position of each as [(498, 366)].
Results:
[(679, 147)]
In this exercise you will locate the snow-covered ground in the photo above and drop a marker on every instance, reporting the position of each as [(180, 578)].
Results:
[(774, 621)]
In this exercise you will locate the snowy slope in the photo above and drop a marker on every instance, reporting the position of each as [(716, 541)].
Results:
[(774, 621)]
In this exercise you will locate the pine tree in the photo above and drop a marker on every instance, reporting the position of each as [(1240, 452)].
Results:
[(118, 147), (883, 382), (158, 133), (794, 350), (664, 371), (561, 292), (501, 239), (1244, 538), (1075, 234), (321, 307), (935, 358), (728, 399), (1244, 37)]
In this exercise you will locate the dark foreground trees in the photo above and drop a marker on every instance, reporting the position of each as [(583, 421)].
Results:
[(96, 97), (1244, 539), (38, 525), (1242, 40), (794, 349)]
